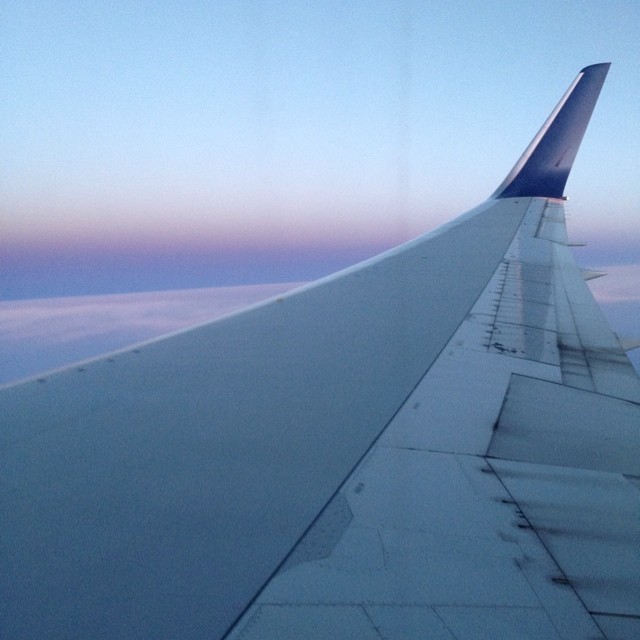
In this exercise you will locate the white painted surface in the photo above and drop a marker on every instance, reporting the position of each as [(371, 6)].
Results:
[(185, 470), (160, 490)]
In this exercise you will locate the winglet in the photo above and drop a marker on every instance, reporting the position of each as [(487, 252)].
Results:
[(544, 167)]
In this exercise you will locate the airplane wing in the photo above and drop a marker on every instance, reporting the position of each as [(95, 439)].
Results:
[(442, 442)]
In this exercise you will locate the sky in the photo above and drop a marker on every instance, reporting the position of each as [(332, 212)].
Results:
[(151, 146)]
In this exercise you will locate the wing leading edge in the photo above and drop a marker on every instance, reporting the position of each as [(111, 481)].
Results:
[(358, 457)]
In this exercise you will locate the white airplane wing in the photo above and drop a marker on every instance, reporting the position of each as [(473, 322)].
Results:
[(440, 442)]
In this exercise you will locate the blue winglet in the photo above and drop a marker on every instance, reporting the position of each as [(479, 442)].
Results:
[(544, 167)]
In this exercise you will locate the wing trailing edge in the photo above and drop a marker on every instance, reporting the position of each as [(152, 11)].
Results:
[(544, 167)]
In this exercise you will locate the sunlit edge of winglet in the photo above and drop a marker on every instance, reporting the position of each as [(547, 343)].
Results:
[(544, 167)]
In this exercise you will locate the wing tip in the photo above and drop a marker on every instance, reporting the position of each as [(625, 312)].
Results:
[(543, 169), (593, 67)]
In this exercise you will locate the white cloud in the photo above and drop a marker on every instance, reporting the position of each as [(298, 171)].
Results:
[(621, 284), (42, 334)]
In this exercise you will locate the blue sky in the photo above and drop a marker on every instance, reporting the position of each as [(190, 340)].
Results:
[(163, 145), (158, 131)]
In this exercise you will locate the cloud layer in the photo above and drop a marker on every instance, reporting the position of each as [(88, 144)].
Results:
[(43, 334)]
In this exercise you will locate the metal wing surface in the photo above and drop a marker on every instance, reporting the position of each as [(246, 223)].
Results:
[(439, 442)]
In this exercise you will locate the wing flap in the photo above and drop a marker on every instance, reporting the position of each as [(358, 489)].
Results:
[(571, 428), (584, 518)]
